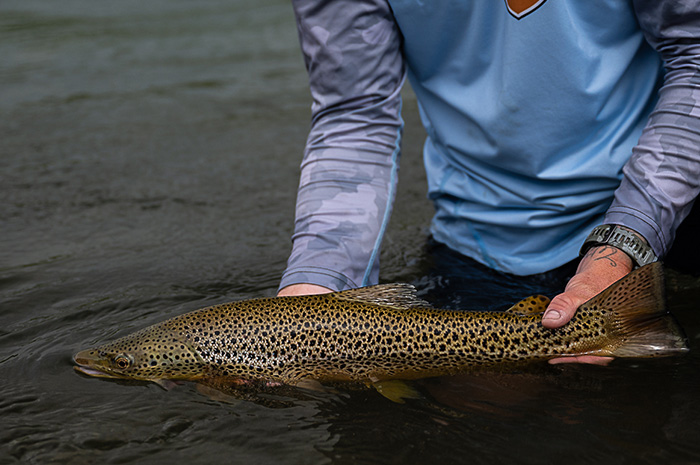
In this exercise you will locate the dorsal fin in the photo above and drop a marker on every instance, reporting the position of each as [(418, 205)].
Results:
[(530, 305), (397, 295)]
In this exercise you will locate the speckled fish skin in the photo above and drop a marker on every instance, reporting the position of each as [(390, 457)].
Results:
[(383, 332)]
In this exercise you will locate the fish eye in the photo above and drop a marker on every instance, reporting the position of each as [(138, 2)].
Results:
[(122, 362)]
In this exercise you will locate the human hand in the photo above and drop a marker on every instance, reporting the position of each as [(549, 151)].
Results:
[(302, 289), (599, 268)]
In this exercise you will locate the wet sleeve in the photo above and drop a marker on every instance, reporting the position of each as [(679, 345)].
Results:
[(349, 171), (661, 179)]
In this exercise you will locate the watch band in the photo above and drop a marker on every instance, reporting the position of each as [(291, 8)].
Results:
[(622, 238)]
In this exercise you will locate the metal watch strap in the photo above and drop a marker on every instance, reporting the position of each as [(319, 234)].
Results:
[(622, 238)]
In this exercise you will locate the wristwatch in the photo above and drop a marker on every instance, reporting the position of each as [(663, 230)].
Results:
[(622, 238)]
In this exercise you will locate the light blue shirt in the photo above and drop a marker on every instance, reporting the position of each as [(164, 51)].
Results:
[(529, 121), (539, 127)]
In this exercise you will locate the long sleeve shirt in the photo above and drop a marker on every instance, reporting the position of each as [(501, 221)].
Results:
[(543, 119)]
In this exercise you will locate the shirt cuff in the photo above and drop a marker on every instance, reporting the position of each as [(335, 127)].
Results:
[(317, 275), (640, 223)]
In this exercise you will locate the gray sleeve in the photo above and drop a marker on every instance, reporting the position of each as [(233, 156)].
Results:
[(662, 178), (349, 172)]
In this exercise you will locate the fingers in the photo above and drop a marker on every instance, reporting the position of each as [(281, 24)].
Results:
[(589, 359), (303, 289)]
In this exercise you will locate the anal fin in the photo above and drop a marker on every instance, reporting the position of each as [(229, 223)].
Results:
[(396, 390)]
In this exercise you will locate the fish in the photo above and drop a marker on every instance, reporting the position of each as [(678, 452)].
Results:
[(381, 333)]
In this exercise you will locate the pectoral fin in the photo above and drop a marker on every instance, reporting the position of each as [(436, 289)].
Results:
[(216, 394), (167, 384), (313, 385)]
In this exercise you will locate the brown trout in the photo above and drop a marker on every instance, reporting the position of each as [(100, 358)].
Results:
[(381, 333)]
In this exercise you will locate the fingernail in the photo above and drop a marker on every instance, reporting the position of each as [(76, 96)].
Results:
[(552, 315)]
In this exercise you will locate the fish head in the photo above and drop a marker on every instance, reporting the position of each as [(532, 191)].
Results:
[(152, 354)]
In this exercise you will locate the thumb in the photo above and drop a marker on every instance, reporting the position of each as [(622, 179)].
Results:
[(601, 267), (561, 309)]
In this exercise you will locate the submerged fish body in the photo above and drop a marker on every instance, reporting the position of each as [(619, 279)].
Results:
[(382, 333)]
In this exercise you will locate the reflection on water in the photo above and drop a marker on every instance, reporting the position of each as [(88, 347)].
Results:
[(148, 167)]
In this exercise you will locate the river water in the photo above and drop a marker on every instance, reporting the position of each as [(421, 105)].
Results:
[(149, 157)]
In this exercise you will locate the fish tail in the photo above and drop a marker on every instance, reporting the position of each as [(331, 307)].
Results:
[(640, 324)]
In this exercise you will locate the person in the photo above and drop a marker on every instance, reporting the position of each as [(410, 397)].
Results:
[(551, 124)]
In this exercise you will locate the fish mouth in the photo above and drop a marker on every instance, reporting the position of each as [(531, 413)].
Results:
[(92, 372), (88, 364)]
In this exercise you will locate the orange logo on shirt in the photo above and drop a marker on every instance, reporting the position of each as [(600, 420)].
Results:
[(521, 8)]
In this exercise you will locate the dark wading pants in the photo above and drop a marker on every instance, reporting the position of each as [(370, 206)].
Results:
[(458, 282)]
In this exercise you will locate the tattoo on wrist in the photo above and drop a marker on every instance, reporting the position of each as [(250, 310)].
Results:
[(605, 253)]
